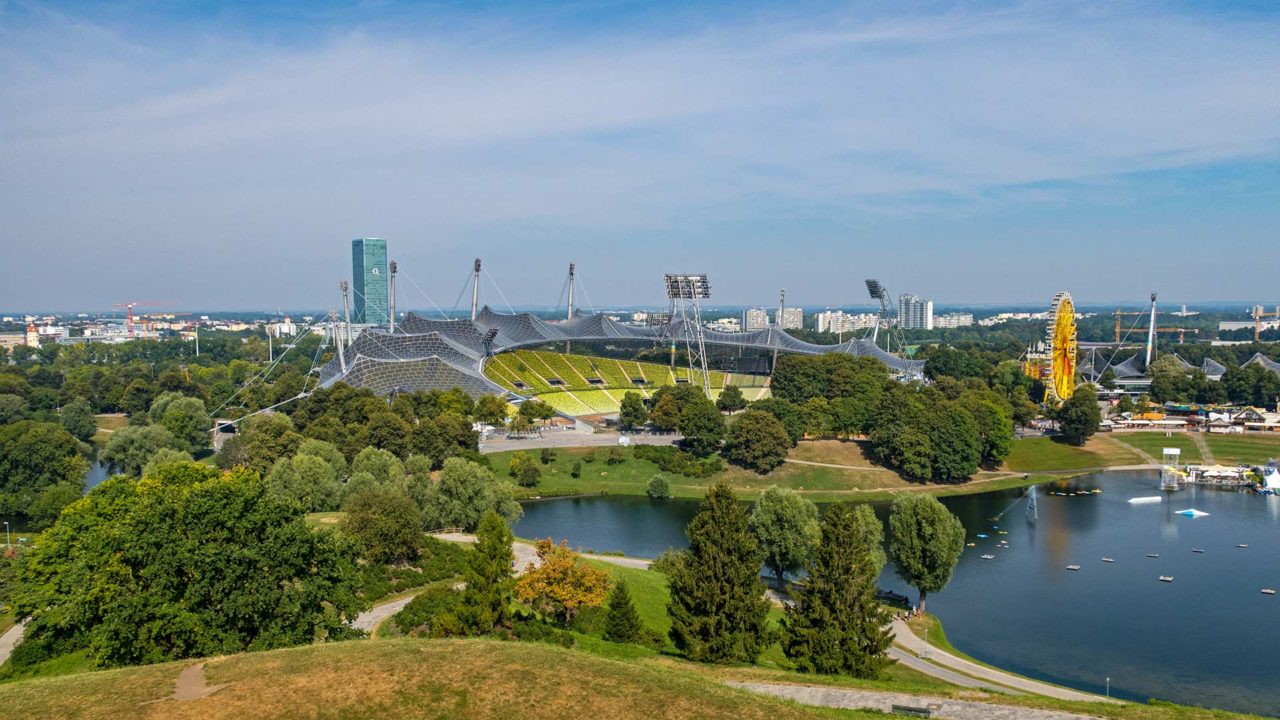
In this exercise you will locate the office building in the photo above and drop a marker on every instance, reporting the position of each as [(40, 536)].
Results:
[(914, 313), (755, 319), (953, 320), (371, 303), (838, 321), (792, 318)]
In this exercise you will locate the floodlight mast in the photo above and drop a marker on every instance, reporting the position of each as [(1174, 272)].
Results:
[(685, 293), (475, 291), (879, 292)]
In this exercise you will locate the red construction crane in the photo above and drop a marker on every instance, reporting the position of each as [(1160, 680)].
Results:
[(132, 305)]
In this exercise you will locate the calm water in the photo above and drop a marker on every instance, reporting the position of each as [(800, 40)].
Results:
[(1208, 638)]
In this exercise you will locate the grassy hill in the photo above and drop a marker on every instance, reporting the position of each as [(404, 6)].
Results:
[(400, 679), (585, 385)]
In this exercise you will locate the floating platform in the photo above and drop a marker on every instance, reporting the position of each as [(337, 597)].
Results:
[(1146, 499), (1166, 578)]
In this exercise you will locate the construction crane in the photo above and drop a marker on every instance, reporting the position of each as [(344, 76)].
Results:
[(1182, 332), (1258, 315), (1120, 312), (132, 305)]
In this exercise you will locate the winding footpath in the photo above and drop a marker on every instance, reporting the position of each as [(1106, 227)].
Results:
[(885, 701)]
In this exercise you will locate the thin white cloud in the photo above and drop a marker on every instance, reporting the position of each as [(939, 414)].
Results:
[(449, 136)]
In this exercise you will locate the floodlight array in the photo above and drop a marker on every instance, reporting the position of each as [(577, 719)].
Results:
[(688, 287)]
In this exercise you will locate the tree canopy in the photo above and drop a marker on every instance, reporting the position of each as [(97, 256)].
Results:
[(785, 525), (926, 542)]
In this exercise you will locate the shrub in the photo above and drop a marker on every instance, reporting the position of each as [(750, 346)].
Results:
[(658, 488), (615, 456), (673, 460), (431, 613), (531, 630), (528, 476), (622, 622), (576, 470), (547, 456)]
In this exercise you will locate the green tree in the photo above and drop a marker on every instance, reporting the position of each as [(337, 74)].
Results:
[(164, 456), (536, 410), (13, 408), (718, 609), (486, 601), (187, 419), (130, 448), (77, 418), (307, 480), (386, 523), (327, 452), (622, 622), (491, 410), (658, 488), (1079, 416), (50, 502), (666, 413), (632, 414), (266, 438), (191, 563), (388, 431), (383, 465), (786, 413), (957, 448), (926, 542), (836, 625), (465, 492), (702, 426), (731, 399), (785, 525), (757, 441)]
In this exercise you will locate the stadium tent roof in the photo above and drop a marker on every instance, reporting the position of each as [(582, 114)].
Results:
[(436, 354), (1130, 368), (1264, 361)]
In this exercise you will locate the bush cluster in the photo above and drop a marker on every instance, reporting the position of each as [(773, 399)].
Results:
[(674, 460)]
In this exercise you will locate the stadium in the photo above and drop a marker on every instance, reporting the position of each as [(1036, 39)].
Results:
[(506, 354)]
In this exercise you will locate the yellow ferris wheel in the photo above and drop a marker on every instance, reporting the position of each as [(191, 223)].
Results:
[(1059, 369)]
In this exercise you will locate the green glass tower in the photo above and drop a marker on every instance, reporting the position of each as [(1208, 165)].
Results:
[(369, 277)]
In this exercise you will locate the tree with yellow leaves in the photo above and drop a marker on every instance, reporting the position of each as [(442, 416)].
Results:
[(561, 585)]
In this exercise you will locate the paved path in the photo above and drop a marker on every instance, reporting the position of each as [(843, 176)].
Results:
[(525, 553), (911, 642), (884, 701), (923, 666), (9, 641), (1141, 453), (1206, 455)]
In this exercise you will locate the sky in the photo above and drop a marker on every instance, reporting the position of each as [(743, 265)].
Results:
[(223, 156)]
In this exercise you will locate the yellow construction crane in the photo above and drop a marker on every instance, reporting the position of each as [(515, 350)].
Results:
[(1182, 332)]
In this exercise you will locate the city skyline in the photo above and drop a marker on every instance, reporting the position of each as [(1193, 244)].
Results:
[(981, 156)]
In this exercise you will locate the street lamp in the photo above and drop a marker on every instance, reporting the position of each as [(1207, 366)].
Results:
[(1108, 687), (6, 534)]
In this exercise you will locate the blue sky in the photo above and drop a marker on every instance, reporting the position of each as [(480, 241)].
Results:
[(222, 156)]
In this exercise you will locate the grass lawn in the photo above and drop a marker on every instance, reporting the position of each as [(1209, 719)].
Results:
[(819, 483), (406, 678), (1153, 443), (834, 452), (1043, 454), (323, 520), (1247, 449), (648, 590), (108, 424)]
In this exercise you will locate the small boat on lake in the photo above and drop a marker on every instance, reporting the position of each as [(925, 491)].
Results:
[(1153, 555), (1243, 545), (1166, 578), (1268, 591), (988, 557), (1073, 567), (1197, 550), (1108, 559), (1145, 500)]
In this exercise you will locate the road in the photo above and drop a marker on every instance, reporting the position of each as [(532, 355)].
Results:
[(884, 701), (9, 641)]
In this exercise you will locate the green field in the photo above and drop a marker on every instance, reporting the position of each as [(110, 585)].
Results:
[(1153, 443), (1043, 454), (1246, 449)]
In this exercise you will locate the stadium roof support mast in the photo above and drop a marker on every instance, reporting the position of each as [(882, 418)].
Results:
[(346, 312), (881, 293), (1151, 331), (391, 322), (337, 340), (686, 293), (475, 291), (782, 306), (568, 344)]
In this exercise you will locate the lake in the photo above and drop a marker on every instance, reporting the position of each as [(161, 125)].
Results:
[(1208, 638)]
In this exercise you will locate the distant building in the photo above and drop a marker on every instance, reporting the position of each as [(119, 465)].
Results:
[(838, 321), (727, 325), (11, 340), (792, 318), (953, 320), (369, 280), (755, 319), (914, 313)]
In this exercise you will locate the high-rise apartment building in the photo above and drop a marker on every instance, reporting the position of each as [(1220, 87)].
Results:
[(369, 279), (792, 318), (755, 319), (953, 320), (914, 313), (838, 321)]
